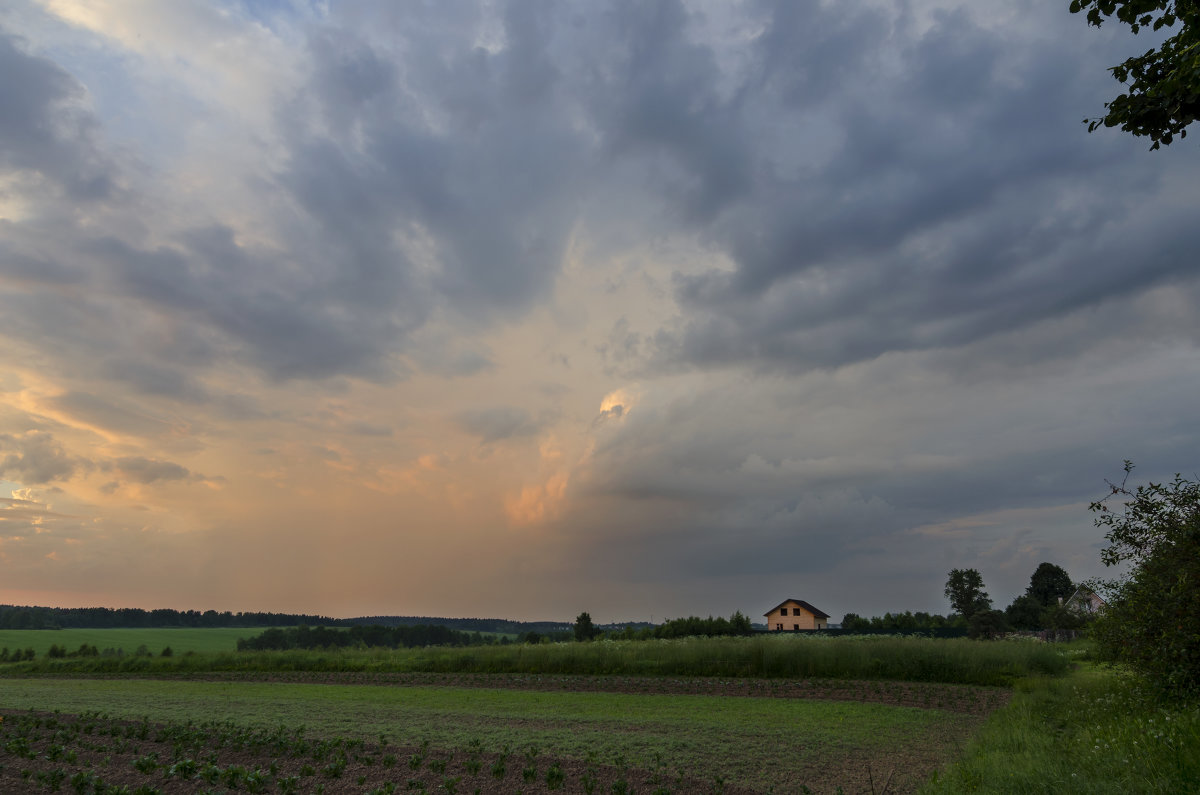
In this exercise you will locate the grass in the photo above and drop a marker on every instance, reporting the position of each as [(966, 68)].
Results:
[(913, 659), (1097, 731), (707, 736), (180, 640)]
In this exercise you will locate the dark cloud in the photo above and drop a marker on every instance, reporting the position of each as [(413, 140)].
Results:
[(943, 206), (36, 457), (880, 181), (150, 470), (44, 129)]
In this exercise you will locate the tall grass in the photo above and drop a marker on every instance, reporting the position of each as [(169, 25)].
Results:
[(1095, 732), (866, 657)]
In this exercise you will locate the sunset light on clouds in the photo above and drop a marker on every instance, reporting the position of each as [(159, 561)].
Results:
[(518, 309)]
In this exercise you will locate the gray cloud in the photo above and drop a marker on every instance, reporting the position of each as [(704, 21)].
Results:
[(44, 129), (36, 457), (150, 470), (499, 423)]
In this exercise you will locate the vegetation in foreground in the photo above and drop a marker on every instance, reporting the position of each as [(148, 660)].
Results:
[(957, 661), (1098, 731), (1152, 623)]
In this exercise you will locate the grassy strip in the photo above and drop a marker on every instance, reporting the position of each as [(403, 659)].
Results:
[(1097, 731), (957, 661), (705, 737), (180, 641)]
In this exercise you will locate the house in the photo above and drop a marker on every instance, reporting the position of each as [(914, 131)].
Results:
[(1085, 601), (795, 614)]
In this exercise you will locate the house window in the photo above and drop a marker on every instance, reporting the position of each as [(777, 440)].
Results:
[(795, 626), (783, 611), (779, 626)]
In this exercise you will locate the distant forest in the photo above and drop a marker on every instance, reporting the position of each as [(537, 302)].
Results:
[(18, 617), (360, 635)]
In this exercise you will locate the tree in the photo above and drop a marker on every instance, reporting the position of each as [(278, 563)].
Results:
[(965, 591), (584, 629), (1152, 621), (1162, 86), (1049, 584), (986, 625), (1025, 612)]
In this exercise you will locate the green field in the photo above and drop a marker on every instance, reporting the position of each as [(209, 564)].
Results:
[(911, 659), (702, 736), (180, 641)]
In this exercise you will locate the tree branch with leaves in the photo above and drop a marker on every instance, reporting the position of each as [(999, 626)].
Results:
[(1162, 94)]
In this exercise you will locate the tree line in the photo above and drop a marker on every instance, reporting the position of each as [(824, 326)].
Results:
[(369, 636), (18, 617), (27, 617), (692, 626), (1043, 606)]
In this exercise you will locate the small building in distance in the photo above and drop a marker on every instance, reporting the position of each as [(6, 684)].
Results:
[(1085, 602), (795, 614)]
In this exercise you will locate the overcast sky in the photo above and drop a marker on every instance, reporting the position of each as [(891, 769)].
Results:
[(519, 309)]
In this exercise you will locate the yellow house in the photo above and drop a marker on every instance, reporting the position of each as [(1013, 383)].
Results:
[(794, 614)]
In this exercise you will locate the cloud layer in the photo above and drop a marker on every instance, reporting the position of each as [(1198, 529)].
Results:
[(642, 308)]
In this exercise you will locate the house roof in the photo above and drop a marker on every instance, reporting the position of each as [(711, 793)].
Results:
[(802, 603), (1085, 594)]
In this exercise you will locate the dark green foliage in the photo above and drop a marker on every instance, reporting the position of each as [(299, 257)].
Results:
[(1042, 604), (584, 628), (693, 626), (1025, 613), (1049, 585), (964, 589), (904, 623), (986, 625), (368, 636), (1162, 86), (1152, 621)]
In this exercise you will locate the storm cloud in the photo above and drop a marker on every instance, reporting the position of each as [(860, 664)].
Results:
[(713, 301)]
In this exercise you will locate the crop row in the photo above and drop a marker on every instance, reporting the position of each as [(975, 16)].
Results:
[(91, 754)]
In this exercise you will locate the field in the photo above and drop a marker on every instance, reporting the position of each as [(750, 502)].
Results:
[(958, 661), (180, 641), (370, 723)]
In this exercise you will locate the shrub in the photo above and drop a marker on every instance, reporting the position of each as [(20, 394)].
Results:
[(1152, 621)]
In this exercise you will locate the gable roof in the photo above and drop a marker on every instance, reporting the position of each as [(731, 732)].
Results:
[(1087, 598), (802, 603)]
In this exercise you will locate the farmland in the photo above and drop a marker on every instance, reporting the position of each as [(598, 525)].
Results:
[(595, 717), (957, 661), (180, 641)]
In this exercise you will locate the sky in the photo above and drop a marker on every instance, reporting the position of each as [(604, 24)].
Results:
[(521, 309)]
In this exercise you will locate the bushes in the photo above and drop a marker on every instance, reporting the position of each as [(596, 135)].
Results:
[(368, 636), (1152, 621)]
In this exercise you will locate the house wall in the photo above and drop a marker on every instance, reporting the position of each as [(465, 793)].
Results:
[(805, 619)]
